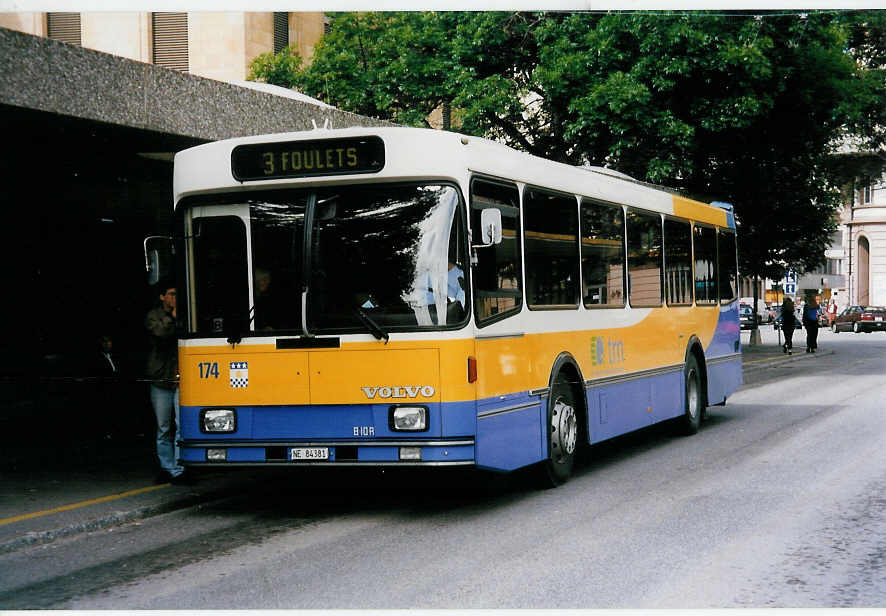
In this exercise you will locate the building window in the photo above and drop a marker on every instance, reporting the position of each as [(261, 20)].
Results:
[(833, 267), (63, 27), (281, 31), (170, 40), (867, 194)]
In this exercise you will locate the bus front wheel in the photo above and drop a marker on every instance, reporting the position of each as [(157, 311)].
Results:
[(562, 435)]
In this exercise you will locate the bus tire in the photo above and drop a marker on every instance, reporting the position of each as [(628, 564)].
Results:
[(563, 434), (693, 398)]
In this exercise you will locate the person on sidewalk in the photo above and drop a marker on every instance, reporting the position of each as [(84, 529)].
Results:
[(162, 370), (105, 369), (810, 322), (832, 312), (788, 323)]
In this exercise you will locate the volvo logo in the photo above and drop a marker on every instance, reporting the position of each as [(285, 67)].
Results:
[(406, 391)]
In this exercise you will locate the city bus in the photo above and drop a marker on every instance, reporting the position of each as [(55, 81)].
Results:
[(411, 297)]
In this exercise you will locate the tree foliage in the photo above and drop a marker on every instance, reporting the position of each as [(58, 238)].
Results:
[(280, 69), (745, 109)]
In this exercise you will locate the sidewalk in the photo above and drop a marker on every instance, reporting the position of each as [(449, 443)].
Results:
[(51, 491), (769, 351)]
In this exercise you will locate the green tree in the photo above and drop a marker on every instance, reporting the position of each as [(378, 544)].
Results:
[(738, 108), (280, 69), (394, 66)]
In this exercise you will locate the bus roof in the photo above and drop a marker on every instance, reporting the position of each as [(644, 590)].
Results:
[(412, 153)]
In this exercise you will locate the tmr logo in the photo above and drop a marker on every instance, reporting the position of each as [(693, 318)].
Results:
[(606, 351), (407, 391)]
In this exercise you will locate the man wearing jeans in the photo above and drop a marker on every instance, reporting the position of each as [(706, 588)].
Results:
[(162, 369)]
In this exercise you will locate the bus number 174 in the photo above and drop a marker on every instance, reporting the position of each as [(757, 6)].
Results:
[(208, 369)]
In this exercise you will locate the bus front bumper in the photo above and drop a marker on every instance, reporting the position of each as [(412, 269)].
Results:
[(456, 452)]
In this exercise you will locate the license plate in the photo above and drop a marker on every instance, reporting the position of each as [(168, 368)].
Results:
[(879, 318), (309, 453)]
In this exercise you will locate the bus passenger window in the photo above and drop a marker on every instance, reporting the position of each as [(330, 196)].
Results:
[(644, 259), (602, 254), (704, 241), (496, 277), (678, 261), (727, 258), (550, 224)]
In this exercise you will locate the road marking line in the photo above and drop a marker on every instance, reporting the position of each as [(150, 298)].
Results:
[(757, 361), (95, 501)]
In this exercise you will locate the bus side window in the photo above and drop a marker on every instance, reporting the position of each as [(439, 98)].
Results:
[(550, 227), (678, 261), (496, 277), (727, 259), (704, 244), (602, 254), (644, 258)]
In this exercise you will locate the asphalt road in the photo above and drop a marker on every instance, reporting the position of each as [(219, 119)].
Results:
[(779, 501)]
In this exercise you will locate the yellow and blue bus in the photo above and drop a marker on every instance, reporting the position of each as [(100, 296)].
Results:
[(402, 297)]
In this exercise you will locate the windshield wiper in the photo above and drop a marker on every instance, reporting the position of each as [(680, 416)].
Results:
[(306, 247), (237, 324), (371, 325)]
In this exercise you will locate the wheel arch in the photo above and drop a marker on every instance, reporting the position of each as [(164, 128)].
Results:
[(565, 363), (694, 349)]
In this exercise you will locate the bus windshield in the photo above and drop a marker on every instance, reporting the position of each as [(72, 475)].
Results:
[(379, 258)]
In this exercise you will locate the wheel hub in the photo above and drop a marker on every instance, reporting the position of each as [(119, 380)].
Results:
[(692, 394), (564, 430)]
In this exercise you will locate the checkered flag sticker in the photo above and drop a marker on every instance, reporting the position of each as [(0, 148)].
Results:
[(239, 374)]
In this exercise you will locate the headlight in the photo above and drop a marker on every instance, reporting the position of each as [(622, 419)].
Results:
[(409, 418), (219, 420)]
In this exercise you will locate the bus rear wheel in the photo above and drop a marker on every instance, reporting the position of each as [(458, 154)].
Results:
[(563, 424), (693, 398)]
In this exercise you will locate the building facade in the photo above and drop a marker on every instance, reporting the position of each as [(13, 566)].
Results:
[(865, 242), (87, 175), (216, 45)]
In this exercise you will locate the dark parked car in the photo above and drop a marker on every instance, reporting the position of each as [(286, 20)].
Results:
[(746, 317), (860, 319)]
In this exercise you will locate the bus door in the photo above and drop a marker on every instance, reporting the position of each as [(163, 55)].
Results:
[(509, 420)]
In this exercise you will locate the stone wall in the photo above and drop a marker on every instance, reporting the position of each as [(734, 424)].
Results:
[(50, 76)]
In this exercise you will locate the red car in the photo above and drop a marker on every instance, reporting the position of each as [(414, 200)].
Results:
[(860, 319)]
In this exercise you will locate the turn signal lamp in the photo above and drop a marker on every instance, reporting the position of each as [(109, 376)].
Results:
[(216, 455)]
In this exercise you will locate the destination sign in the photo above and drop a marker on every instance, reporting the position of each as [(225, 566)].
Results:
[(299, 159)]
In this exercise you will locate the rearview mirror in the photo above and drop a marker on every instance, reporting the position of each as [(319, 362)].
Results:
[(490, 226), (159, 253)]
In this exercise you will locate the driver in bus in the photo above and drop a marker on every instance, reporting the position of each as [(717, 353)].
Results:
[(455, 286)]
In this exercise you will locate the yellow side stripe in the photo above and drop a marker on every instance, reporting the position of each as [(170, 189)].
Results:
[(95, 501)]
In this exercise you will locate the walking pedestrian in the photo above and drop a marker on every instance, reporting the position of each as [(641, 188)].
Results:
[(788, 323), (810, 322), (832, 312)]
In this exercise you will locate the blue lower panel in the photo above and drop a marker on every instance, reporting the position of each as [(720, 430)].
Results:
[(620, 408), (510, 439), (723, 379), (378, 454)]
